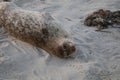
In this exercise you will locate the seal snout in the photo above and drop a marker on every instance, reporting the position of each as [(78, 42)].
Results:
[(66, 49)]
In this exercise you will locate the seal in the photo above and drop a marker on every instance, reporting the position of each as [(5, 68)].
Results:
[(38, 29)]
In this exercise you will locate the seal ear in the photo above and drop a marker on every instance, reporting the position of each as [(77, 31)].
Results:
[(47, 16)]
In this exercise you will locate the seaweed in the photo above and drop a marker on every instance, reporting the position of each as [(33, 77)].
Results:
[(102, 19)]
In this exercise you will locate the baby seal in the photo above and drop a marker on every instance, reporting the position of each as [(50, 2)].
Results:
[(38, 29)]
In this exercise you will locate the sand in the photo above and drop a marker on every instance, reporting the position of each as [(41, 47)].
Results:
[(97, 56)]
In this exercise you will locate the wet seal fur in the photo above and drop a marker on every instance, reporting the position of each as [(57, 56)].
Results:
[(38, 29), (102, 19)]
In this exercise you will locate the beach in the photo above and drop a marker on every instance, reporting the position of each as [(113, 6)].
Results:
[(97, 55)]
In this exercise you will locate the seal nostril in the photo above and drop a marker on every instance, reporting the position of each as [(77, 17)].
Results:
[(73, 48), (64, 46)]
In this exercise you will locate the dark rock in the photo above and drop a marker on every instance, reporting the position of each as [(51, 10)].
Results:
[(102, 19)]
